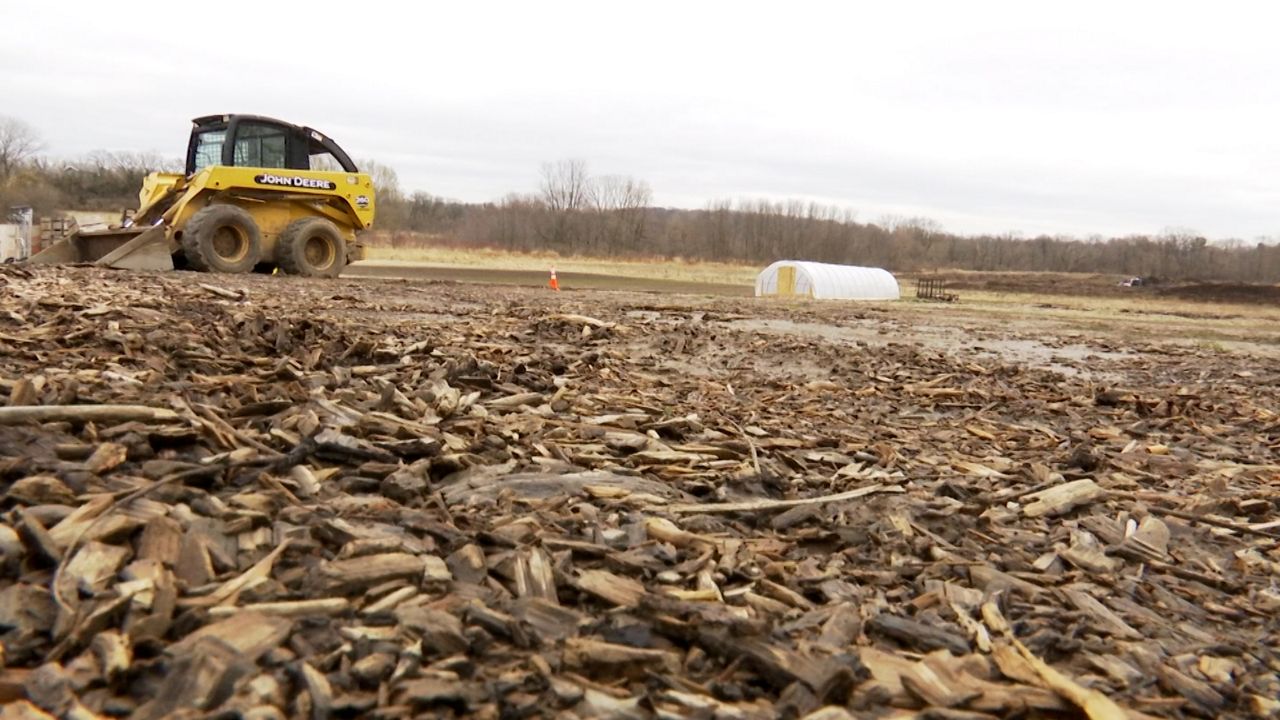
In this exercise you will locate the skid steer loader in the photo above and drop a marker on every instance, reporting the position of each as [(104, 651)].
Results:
[(257, 193)]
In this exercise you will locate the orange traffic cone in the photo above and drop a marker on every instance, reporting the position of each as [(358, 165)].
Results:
[(554, 284)]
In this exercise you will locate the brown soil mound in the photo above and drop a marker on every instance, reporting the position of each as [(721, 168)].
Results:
[(1024, 282), (1226, 293), (1095, 285)]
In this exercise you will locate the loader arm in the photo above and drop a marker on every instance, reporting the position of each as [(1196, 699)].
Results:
[(159, 192)]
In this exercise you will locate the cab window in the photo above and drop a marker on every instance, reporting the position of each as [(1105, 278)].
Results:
[(260, 146), (209, 148), (325, 161)]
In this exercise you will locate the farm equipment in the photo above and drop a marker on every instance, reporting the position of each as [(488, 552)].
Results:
[(257, 193), (933, 289)]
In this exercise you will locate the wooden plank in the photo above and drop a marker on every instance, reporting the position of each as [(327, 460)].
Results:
[(915, 634), (1062, 498), (23, 414), (769, 505), (372, 569), (1103, 617), (615, 589), (250, 634), (161, 540), (287, 608)]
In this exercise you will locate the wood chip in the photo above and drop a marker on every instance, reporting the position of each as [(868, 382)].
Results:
[(1062, 498), (394, 499)]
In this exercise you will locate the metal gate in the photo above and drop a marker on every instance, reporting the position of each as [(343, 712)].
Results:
[(931, 289)]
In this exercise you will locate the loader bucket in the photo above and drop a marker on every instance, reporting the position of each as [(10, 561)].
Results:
[(126, 248)]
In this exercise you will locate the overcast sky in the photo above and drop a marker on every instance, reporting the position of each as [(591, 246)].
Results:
[(1089, 117)]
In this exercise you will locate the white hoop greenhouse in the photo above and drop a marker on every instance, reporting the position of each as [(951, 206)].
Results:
[(821, 281)]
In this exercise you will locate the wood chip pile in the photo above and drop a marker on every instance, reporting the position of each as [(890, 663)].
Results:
[(275, 498)]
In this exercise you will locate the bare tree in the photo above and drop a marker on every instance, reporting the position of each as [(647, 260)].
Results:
[(393, 209), (565, 191), (891, 221), (565, 186), (385, 180), (132, 163), (18, 143), (619, 204), (618, 192)]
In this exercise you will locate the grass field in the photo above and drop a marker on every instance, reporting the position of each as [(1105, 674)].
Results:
[(658, 269), (1080, 304)]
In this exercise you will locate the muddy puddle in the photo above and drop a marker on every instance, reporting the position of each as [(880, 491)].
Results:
[(1071, 359)]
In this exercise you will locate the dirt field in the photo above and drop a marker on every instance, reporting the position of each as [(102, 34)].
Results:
[(1100, 285), (577, 280), (737, 280), (393, 498)]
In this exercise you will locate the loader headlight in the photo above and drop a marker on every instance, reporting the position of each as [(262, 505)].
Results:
[(352, 180)]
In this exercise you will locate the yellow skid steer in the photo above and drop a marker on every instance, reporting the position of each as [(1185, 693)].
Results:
[(257, 193)]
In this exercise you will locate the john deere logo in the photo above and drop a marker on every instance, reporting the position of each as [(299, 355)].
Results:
[(294, 181)]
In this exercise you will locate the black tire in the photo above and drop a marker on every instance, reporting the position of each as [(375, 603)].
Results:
[(313, 247), (222, 238)]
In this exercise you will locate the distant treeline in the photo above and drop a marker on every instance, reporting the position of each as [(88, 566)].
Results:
[(98, 181), (575, 213)]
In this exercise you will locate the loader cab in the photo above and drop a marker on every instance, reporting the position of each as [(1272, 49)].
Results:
[(261, 142)]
